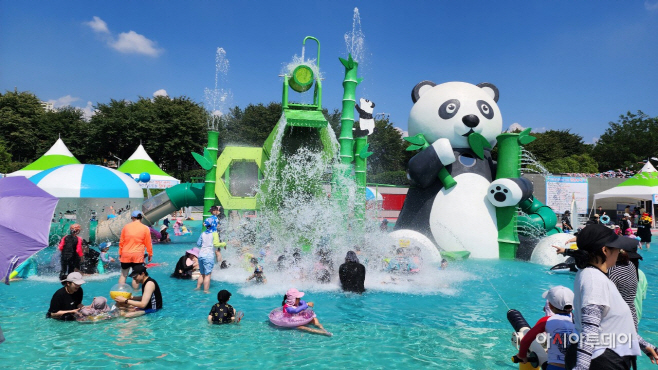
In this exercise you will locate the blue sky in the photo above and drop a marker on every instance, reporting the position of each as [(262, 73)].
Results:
[(558, 64)]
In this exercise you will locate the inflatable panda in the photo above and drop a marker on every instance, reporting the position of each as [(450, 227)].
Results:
[(460, 217)]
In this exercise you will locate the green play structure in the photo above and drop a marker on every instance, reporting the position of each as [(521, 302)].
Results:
[(240, 178)]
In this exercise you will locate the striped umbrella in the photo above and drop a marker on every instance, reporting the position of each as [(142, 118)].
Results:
[(87, 181)]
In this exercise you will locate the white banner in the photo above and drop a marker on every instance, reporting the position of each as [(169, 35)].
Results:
[(560, 190)]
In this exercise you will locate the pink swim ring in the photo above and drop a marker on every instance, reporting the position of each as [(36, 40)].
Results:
[(278, 318)]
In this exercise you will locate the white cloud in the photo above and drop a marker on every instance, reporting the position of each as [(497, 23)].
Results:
[(63, 101), (129, 42), (88, 111), (217, 113), (402, 132), (98, 25), (133, 42), (515, 127), (161, 92), (650, 6)]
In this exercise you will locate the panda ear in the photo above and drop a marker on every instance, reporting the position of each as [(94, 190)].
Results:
[(420, 89), (490, 89)]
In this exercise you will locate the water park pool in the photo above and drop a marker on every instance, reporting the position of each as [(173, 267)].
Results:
[(458, 321)]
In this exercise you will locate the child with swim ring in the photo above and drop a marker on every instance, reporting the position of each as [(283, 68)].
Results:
[(293, 305)]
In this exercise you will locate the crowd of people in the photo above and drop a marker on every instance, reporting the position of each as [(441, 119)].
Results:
[(601, 315)]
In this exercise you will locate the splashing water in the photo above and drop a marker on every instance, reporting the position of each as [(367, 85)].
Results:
[(218, 98), (530, 164), (355, 40)]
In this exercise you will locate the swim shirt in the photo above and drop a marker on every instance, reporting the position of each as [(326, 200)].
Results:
[(135, 238), (63, 301), (559, 327), (222, 313)]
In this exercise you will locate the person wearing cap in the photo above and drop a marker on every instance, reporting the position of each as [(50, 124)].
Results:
[(164, 235), (644, 230), (559, 324), (135, 240), (71, 248), (186, 264), (625, 223), (566, 222), (599, 309), (67, 300), (292, 305), (222, 312), (151, 299), (208, 241), (625, 275)]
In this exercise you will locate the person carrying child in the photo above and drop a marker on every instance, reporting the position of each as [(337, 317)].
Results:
[(222, 312), (559, 327)]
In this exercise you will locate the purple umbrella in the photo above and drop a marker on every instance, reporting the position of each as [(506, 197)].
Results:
[(27, 211)]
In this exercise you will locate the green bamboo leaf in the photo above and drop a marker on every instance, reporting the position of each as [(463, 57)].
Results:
[(524, 140), (206, 155), (525, 132), (418, 139), (203, 162), (365, 153), (477, 142), (411, 148)]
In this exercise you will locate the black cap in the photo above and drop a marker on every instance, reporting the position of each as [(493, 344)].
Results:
[(633, 253), (137, 270), (596, 236), (214, 208)]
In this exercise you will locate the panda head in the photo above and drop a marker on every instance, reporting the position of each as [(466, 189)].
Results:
[(366, 105), (454, 110)]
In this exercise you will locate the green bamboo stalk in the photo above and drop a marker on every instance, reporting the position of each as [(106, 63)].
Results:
[(350, 82), (360, 166), (209, 192)]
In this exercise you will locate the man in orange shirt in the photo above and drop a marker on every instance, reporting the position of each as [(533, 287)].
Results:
[(135, 239)]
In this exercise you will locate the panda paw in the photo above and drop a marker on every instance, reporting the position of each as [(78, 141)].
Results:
[(505, 193)]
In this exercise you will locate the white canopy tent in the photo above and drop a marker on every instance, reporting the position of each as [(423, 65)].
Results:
[(642, 186)]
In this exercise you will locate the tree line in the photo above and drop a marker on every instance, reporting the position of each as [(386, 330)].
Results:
[(171, 128)]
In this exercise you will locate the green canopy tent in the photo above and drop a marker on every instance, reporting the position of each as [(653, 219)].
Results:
[(141, 162), (57, 155), (642, 186)]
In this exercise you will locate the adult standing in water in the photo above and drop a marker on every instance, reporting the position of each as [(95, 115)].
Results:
[(135, 240), (67, 300), (71, 248), (151, 299), (599, 309), (352, 274)]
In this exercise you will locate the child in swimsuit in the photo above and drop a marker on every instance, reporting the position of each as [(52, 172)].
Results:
[(258, 273), (292, 305)]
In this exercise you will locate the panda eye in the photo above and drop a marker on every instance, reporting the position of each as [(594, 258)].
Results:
[(485, 109), (448, 109)]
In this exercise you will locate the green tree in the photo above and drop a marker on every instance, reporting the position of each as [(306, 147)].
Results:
[(633, 138), (556, 144), (19, 116), (5, 158), (388, 148), (250, 126), (169, 129), (577, 163), (67, 123)]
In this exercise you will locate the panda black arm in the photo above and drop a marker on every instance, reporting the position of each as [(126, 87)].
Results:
[(424, 167)]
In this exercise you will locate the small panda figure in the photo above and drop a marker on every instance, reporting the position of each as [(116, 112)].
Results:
[(462, 217), (366, 120)]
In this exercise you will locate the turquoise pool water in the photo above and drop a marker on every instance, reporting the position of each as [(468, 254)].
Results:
[(452, 319)]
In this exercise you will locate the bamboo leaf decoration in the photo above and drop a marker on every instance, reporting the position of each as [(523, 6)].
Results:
[(477, 142), (203, 161), (419, 142), (525, 138), (365, 153)]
